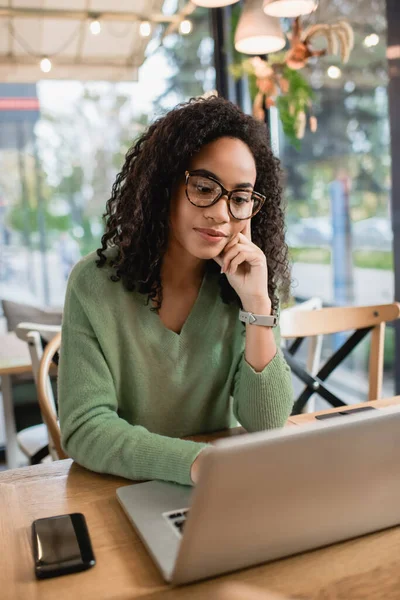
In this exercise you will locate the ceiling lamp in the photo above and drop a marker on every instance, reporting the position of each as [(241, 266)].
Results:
[(214, 3), (256, 32), (289, 8)]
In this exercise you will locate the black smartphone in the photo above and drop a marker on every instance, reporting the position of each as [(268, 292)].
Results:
[(354, 411), (343, 413), (331, 415), (61, 545)]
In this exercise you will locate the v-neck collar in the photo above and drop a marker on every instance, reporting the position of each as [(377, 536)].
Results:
[(192, 323)]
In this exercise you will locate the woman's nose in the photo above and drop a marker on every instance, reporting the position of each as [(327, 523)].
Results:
[(219, 211)]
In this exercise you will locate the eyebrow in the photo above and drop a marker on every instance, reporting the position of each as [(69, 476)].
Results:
[(214, 176)]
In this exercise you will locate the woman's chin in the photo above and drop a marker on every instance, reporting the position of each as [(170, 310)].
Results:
[(206, 253)]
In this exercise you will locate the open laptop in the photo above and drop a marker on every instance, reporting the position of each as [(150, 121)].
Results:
[(267, 495)]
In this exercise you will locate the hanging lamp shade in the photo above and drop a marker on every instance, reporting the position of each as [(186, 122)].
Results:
[(214, 3), (289, 8), (256, 32)]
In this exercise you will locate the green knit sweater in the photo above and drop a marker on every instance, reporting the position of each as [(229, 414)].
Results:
[(129, 388)]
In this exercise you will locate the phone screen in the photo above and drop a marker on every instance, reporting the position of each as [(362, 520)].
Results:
[(61, 545)]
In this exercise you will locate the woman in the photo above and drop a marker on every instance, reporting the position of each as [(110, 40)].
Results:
[(152, 346)]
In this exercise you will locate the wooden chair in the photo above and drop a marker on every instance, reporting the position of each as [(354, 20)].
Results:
[(298, 325), (46, 400), (314, 343), (33, 441)]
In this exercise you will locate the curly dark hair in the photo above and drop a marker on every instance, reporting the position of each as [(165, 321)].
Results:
[(137, 214)]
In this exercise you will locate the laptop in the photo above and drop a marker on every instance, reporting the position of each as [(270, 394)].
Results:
[(268, 495)]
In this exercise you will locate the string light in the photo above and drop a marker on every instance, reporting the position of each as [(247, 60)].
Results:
[(334, 72), (45, 65), (371, 40), (145, 29), (95, 27), (185, 27)]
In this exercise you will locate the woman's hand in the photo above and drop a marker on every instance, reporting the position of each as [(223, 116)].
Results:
[(246, 269), (195, 468)]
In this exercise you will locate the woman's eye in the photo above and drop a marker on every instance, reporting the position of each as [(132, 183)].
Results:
[(240, 199), (203, 189)]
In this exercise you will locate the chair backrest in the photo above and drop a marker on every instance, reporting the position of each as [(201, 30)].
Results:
[(46, 400), (314, 343), (38, 337), (361, 320)]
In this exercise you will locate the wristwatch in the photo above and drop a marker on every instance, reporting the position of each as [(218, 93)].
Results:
[(251, 319)]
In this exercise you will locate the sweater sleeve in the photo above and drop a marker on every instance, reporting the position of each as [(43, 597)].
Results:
[(92, 433), (263, 400)]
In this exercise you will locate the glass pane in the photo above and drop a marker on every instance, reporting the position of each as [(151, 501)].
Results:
[(338, 187), (57, 166)]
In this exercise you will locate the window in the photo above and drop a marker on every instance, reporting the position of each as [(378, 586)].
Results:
[(57, 167), (338, 184)]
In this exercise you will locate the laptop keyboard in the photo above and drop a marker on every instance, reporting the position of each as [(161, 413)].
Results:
[(177, 518)]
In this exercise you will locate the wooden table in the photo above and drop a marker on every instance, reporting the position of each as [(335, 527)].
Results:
[(360, 569), (14, 359)]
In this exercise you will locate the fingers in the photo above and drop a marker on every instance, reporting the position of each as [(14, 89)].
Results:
[(237, 244), (238, 238), (240, 258), (231, 243), (229, 256), (237, 255), (220, 258)]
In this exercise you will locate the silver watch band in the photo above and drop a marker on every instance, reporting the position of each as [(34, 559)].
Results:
[(251, 319)]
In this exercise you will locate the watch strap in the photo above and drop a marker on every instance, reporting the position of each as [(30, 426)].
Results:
[(252, 319)]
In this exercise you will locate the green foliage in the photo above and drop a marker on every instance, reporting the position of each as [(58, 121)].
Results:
[(292, 104), (319, 256), (363, 259), (238, 70), (72, 182), (17, 219), (376, 259)]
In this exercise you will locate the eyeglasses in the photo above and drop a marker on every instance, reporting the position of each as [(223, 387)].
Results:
[(204, 190)]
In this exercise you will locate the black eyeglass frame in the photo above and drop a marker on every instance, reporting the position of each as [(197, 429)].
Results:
[(224, 192)]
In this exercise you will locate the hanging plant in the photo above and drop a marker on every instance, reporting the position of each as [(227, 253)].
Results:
[(295, 106), (273, 83), (339, 38), (277, 81)]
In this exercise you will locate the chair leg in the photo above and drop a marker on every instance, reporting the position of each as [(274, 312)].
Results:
[(9, 422), (40, 455), (315, 382), (313, 385)]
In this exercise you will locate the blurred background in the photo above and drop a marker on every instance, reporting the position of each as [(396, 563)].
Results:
[(79, 83)]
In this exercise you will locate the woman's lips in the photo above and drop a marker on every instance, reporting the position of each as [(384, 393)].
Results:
[(213, 237)]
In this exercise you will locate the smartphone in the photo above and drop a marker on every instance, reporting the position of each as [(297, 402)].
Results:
[(61, 545), (343, 413)]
